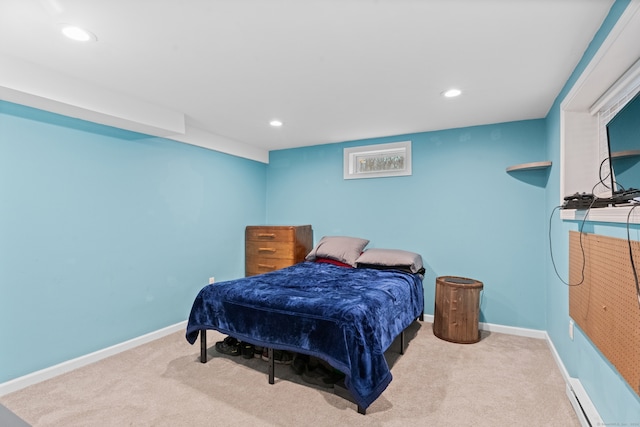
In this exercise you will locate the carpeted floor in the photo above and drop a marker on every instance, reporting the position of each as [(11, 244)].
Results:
[(503, 380)]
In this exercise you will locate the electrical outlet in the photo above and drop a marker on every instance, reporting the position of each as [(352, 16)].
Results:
[(571, 329), (212, 280)]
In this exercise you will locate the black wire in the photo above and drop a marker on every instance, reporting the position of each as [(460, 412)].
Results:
[(613, 190), (600, 175), (584, 260), (633, 265)]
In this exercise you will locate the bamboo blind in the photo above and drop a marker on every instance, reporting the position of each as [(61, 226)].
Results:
[(605, 305)]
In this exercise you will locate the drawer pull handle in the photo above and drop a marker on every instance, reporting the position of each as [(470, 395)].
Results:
[(270, 267), (266, 250), (269, 235)]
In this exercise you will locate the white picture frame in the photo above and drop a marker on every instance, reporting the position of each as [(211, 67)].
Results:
[(378, 161)]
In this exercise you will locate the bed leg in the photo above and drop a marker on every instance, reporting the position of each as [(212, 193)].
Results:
[(402, 342), (271, 367), (339, 389), (421, 317), (203, 346)]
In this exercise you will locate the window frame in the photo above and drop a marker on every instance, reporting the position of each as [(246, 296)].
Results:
[(355, 156)]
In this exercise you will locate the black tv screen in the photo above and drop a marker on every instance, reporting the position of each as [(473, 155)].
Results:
[(623, 137)]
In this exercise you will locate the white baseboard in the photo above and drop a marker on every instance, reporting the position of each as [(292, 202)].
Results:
[(53, 371), (556, 357), (510, 330), (513, 330)]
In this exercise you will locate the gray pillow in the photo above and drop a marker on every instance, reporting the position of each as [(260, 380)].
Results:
[(393, 258), (340, 248)]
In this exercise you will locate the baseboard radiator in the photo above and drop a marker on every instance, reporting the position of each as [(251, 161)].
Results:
[(585, 410)]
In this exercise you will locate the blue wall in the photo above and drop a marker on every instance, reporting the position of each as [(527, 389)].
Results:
[(106, 235), (460, 210), (613, 398)]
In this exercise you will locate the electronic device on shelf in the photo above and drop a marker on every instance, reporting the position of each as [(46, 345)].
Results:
[(625, 196), (589, 201), (578, 201), (580, 196)]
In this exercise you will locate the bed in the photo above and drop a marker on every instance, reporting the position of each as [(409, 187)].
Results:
[(321, 307)]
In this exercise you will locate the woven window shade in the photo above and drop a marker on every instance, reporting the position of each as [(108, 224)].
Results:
[(605, 305)]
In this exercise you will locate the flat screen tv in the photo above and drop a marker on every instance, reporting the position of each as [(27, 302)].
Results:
[(623, 140)]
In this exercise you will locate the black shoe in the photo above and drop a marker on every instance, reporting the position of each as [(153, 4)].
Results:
[(257, 351), (229, 346), (321, 376), (247, 350), (279, 356), (299, 363)]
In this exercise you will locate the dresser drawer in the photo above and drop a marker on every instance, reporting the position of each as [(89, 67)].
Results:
[(272, 249), (271, 234), (265, 265)]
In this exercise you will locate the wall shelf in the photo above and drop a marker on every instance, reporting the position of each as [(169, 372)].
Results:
[(529, 166), (626, 153)]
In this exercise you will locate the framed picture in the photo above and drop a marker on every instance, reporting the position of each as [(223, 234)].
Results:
[(378, 161)]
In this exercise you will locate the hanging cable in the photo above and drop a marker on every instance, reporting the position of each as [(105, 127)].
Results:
[(633, 264), (584, 260)]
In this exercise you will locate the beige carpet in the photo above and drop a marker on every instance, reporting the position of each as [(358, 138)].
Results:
[(502, 380)]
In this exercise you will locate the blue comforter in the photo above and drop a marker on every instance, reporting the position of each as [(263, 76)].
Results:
[(347, 317)]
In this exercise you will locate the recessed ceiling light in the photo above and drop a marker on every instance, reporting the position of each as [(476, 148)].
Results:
[(77, 33), (275, 123), (451, 93)]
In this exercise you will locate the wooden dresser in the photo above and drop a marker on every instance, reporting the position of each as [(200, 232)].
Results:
[(272, 247)]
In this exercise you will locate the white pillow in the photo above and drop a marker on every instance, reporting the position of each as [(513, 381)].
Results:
[(340, 248)]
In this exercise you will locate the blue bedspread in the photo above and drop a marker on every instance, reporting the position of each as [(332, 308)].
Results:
[(347, 317)]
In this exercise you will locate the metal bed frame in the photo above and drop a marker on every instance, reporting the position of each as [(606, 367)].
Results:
[(339, 389)]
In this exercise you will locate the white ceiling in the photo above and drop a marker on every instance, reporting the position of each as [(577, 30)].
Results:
[(331, 70)]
